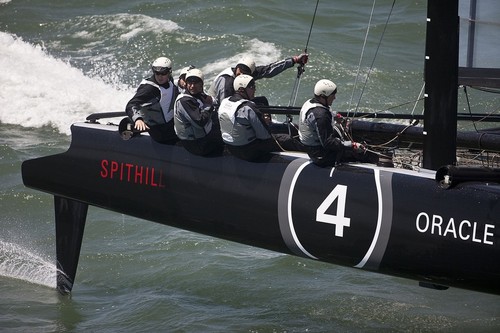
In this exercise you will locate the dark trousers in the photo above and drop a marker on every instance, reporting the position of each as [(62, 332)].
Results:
[(211, 145), (260, 150), (164, 133), (323, 158)]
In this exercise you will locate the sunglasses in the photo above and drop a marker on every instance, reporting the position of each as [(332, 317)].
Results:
[(162, 71)]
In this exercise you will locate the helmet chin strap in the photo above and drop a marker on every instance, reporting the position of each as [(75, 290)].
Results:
[(324, 100), (243, 93)]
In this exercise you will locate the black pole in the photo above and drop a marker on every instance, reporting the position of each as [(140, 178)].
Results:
[(472, 34), (441, 83)]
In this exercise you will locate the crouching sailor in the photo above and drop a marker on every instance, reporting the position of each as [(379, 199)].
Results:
[(195, 121), (243, 127), (326, 140), (151, 108)]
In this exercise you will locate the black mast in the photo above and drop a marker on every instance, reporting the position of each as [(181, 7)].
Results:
[(441, 82)]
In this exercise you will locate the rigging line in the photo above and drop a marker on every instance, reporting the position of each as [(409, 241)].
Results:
[(468, 106), (390, 108), (377, 153), (384, 144), (295, 90), (361, 56), (413, 122), (300, 69), (276, 141), (485, 89), (375, 56), (418, 99), (312, 23), (468, 19)]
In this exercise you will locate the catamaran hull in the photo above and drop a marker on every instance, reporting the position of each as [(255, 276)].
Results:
[(385, 220)]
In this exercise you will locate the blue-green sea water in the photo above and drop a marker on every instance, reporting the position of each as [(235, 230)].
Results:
[(63, 60)]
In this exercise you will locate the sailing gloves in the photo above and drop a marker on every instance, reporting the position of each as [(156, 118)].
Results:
[(354, 145), (358, 146), (301, 59)]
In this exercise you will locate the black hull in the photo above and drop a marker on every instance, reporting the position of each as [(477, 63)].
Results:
[(385, 220)]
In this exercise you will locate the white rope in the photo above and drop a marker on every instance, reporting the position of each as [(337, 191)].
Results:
[(375, 56), (361, 56), (418, 99)]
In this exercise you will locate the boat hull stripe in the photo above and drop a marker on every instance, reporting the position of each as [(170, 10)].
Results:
[(285, 196), (375, 253)]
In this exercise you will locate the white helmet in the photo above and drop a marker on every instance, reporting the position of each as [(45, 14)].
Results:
[(242, 81), (185, 70), (325, 88), (195, 72), (248, 62), (161, 64)]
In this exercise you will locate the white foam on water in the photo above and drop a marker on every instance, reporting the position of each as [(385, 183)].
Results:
[(122, 26), (22, 263), (39, 90), (263, 53)]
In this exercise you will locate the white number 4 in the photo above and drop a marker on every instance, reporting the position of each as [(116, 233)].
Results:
[(339, 193)]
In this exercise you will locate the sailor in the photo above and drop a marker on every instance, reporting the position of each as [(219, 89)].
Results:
[(222, 86), (243, 127), (181, 80), (195, 121), (326, 140), (152, 107)]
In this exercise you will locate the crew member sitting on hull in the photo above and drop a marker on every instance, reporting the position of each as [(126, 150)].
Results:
[(243, 127), (222, 86), (325, 140), (152, 107), (195, 120)]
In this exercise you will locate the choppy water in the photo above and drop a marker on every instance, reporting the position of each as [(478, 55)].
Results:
[(62, 60)]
